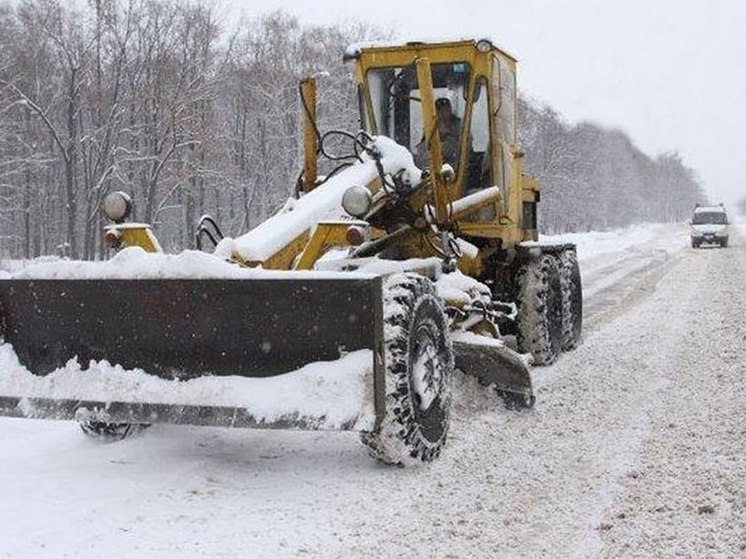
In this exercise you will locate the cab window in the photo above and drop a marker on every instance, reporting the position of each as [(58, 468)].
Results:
[(396, 104)]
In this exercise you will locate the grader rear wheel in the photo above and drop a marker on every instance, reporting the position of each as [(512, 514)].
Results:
[(572, 299), (539, 301), (418, 369)]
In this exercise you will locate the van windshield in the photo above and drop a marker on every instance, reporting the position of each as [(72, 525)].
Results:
[(709, 218)]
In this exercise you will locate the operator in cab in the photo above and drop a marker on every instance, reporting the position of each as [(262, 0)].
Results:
[(449, 128)]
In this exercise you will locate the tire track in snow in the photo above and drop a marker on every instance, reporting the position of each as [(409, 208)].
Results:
[(611, 287), (687, 497)]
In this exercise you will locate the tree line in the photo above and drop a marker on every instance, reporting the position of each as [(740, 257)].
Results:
[(741, 206), (596, 179), (160, 99)]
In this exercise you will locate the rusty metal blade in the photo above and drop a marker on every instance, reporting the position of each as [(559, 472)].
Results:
[(146, 413), (186, 328), (496, 366)]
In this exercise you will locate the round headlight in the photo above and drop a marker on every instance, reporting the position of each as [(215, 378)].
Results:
[(357, 200), (484, 45), (117, 206)]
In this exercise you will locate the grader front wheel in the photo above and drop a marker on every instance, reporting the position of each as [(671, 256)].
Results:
[(418, 369)]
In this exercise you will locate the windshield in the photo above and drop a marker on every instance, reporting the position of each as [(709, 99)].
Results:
[(710, 218), (395, 98)]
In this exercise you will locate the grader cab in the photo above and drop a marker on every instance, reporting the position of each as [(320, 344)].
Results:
[(418, 255)]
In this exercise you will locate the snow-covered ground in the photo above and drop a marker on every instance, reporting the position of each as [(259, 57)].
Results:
[(636, 448)]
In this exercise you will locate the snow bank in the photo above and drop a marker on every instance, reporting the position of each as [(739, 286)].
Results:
[(135, 263), (594, 243), (9, 266), (334, 393), (457, 287), (380, 266)]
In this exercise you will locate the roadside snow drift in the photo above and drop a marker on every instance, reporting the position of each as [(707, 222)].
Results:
[(332, 394)]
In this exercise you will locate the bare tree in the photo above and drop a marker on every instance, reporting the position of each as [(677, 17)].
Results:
[(595, 178), (153, 97)]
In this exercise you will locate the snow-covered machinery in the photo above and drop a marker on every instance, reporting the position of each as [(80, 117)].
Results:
[(349, 308)]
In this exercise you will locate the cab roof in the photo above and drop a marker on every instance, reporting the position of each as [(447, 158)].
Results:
[(708, 209), (354, 50)]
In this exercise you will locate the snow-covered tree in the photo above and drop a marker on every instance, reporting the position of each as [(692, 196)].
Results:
[(154, 97)]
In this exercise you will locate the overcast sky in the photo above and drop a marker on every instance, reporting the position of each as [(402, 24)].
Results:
[(670, 73)]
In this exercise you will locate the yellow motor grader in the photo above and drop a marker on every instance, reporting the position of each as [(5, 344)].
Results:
[(419, 253)]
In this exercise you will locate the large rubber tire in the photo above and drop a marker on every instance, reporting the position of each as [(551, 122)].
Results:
[(572, 299), (418, 362), (695, 244), (111, 432), (724, 243), (539, 302)]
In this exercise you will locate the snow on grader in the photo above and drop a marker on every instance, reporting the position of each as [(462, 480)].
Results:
[(349, 309)]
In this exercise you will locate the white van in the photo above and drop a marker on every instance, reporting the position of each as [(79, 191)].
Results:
[(709, 225)]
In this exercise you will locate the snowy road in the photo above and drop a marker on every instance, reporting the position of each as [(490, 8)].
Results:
[(636, 448)]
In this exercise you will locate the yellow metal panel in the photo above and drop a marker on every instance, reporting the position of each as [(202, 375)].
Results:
[(432, 137), (310, 137), (283, 258), (403, 55), (139, 236), (471, 267), (324, 237)]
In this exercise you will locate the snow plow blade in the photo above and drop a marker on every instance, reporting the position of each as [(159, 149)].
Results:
[(183, 329), (499, 367), (147, 413)]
